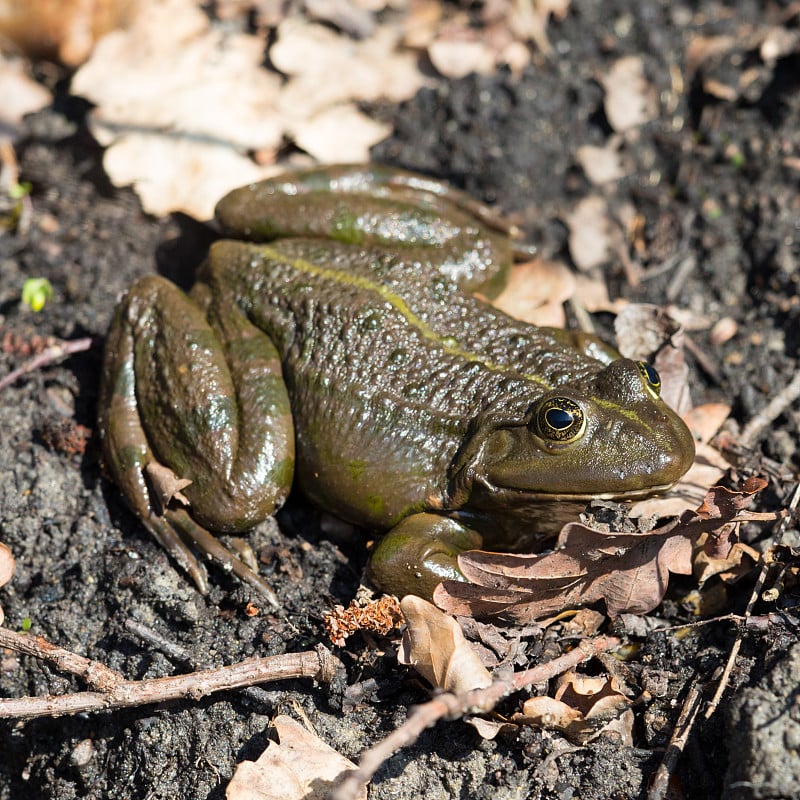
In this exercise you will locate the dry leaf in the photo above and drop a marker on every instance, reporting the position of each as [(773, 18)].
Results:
[(628, 571), (380, 616), (181, 104), (342, 133), (591, 292), (601, 164), (583, 708), (630, 101), (435, 646), (589, 233), (365, 70), (299, 767), (704, 421), (62, 29), (536, 291), (21, 95), (457, 58), (166, 485), (6, 570), (178, 105)]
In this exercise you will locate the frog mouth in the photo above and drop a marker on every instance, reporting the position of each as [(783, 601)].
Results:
[(517, 496)]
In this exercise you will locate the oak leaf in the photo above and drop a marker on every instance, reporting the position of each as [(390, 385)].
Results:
[(628, 571), (435, 646), (300, 766)]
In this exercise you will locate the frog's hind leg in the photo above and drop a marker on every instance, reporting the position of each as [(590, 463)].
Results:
[(207, 403)]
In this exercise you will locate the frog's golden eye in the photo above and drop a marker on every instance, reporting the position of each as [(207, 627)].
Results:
[(651, 378), (560, 419)]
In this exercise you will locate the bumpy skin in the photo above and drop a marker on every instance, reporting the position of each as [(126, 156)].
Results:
[(416, 407)]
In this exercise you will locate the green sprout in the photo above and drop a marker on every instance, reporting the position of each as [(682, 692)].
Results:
[(19, 190), (26, 624), (36, 292)]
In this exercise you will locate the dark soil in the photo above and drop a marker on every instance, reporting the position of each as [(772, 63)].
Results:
[(714, 179)]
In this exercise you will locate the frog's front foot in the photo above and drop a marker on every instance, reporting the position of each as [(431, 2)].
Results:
[(419, 553)]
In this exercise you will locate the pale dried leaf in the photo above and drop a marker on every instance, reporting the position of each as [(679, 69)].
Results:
[(300, 767), (589, 233), (435, 646), (702, 48), (457, 58), (6, 564), (583, 708), (342, 133), (723, 331), (166, 109), (704, 421), (166, 484), (179, 174), (21, 95), (536, 291), (778, 42), (630, 101), (601, 164), (591, 292), (365, 70), (740, 561), (61, 29)]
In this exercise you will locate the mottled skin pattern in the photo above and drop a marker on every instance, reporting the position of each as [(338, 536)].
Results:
[(416, 408)]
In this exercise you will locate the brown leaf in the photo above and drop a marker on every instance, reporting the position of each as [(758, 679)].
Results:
[(435, 646), (627, 571), (630, 100), (298, 767), (380, 616), (589, 233), (536, 291), (584, 708), (166, 485), (6, 570)]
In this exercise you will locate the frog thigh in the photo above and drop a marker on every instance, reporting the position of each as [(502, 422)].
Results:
[(210, 405), (420, 552)]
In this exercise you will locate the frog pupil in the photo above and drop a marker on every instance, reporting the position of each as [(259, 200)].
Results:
[(652, 375), (558, 418)]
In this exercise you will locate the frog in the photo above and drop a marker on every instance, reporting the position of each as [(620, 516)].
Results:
[(340, 339)]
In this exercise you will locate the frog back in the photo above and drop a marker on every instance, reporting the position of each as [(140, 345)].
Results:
[(388, 367)]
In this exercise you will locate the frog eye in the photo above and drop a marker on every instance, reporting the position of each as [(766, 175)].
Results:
[(651, 378), (560, 419)]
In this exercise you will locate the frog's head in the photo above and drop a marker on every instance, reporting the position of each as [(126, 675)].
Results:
[(610, 436)]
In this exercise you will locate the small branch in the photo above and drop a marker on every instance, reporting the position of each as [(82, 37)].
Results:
[(755, 594), (48, 356), (93, 673), (451, 706), (691, 705), (116, 692), (752, 431)]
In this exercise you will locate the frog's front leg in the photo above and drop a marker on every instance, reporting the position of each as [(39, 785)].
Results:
[(420, 552), (198, 389)]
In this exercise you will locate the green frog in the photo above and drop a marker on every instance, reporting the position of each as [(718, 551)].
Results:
[(339, 338)]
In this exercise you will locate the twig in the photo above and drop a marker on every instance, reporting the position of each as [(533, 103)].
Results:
[(49, 355), (762, 576), (691, 705), (770, 412), (452, 706), (117, 692)]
